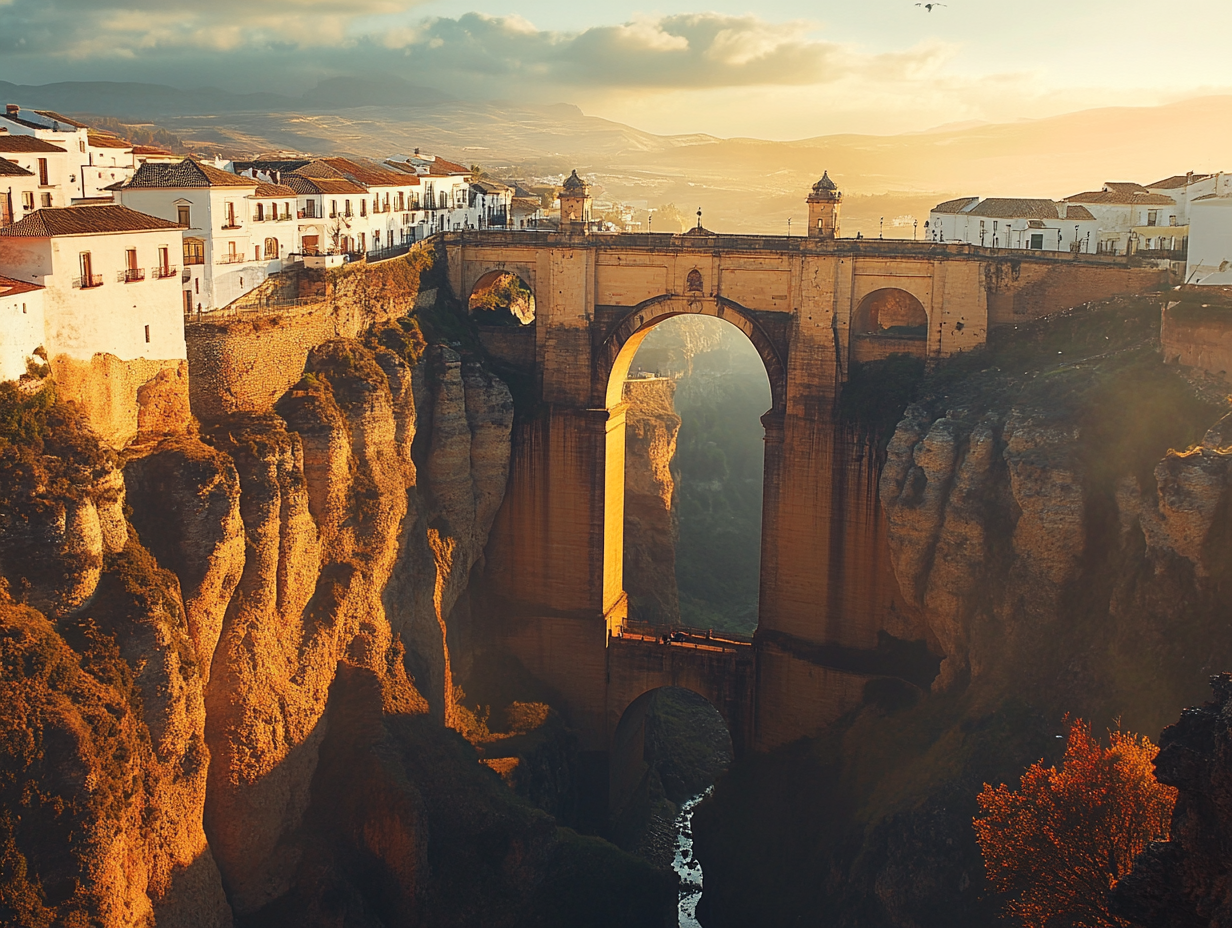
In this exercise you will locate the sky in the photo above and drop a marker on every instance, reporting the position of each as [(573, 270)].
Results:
[(779, 69)]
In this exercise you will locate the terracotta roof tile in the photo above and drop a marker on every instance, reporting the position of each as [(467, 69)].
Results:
[(107, 141), (187, 173), (9, 286), (366, 173), (27, 143), (955, 206), (1112, 197), (1078, 213), (318, 169), (441, 166), (150, 150), (9, 169), (1176, 181), (273, 191), (1016, 208), (314, 185), (85, 220), (56, 117)]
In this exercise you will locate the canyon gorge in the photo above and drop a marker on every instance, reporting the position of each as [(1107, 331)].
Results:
[(258, 666)]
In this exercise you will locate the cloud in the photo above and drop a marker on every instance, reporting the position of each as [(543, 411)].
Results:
[(84, 29), (474, 53), (685, 51)]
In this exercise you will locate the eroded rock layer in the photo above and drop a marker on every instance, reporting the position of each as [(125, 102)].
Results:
[(651, 527), (229, 658)]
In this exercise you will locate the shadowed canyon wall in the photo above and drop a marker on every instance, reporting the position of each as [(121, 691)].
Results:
[(651, 526), (1055, 509)]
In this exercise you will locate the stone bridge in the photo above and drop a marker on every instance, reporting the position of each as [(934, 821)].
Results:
[(831, 616)]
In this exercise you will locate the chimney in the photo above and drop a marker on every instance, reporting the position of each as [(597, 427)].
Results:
[(12, 109), (1189, 178), (417, 151)]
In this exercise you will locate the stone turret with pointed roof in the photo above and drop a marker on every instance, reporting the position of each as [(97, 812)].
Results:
[(575, 204), (823, 204)]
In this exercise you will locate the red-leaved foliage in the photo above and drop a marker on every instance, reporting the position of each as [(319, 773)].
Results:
[(1058, 844)]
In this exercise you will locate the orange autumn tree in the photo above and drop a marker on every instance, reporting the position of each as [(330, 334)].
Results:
[(1059, 843)]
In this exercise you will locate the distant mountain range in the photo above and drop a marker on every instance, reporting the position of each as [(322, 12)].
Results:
[(151, 101), (740, 184)]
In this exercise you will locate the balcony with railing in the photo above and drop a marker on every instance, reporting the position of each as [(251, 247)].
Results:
[(162, 273), (130, 275), (235, 258), (87, 281)]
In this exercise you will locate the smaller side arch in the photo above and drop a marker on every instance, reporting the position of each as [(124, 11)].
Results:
[(886, 321), (628, 757), (503, 293), (476, 269)]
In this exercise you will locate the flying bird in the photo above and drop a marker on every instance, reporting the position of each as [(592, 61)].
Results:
[(928, 7)]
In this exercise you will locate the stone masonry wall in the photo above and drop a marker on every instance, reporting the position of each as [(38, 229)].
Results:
[(245, 364), (1019, 290), (1201, 340)]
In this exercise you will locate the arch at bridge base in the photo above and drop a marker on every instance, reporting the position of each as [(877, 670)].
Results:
[(722, 671)]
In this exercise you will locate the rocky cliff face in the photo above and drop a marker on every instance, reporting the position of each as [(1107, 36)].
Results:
[(1186, 881), (651, 528), (229, 657), (1057, 519)]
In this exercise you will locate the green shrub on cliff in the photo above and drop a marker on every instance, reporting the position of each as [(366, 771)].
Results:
[(23, 416)]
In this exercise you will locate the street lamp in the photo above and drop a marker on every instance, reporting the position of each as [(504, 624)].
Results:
[(881, 227), (789, 227), (915, 225)]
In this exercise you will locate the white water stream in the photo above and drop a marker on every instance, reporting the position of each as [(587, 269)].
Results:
[(686, 866)]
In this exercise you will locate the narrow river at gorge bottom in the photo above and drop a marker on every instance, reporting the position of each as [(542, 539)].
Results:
[(686, 866)]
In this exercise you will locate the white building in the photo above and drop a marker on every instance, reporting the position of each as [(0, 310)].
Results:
[(1132, 218), (223, 254), (110, 281), (445, 192), (525, 212), (491, 201), (1209, 259), (109, 161), (383, 203), (19, 190), (49, 163), (329, 215), (21, 326), (1029, 223), (275, 229), (51, 127), (392, 207)]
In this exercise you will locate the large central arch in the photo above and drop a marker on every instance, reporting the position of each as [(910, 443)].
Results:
[(612, 362), (615, 355)]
